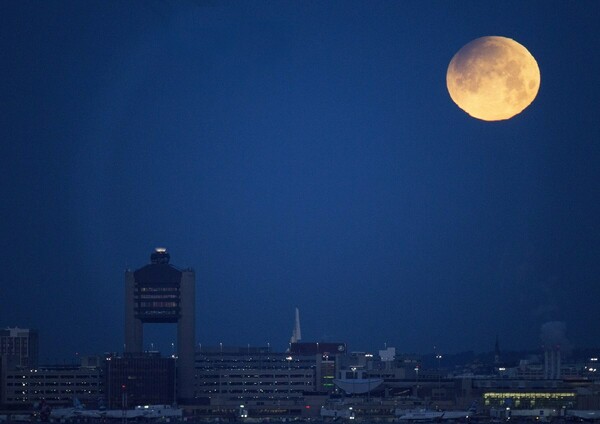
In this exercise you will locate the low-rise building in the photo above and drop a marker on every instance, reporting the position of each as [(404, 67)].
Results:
[(23, 388), (139, 379), (267, 383)]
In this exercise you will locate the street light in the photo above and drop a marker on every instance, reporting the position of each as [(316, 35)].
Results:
[(417, 387), (439, 359), (289, 361)]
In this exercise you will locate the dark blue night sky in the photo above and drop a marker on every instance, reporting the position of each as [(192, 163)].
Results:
[(297, 154)]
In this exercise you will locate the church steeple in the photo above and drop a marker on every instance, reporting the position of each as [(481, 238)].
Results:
[(497, 351)]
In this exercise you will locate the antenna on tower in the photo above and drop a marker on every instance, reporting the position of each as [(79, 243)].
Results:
[(297, 333)]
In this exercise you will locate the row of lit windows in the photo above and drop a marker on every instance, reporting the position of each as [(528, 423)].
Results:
[(34, 399), (158, 304), (529, 395), (228, 358), (148, 311), (256, 365), (273, 375), (54, 392), (271, 369), (278, 375), (48, 377), (283, 392), (150, 296), (53, 383), (261, 383), (41, 384), (157, 289)]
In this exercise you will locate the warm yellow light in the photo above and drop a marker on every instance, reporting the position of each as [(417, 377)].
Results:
[(527, 395), (493, 78)]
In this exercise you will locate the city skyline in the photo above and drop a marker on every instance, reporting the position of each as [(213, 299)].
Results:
[(297, 154), (552, 335)]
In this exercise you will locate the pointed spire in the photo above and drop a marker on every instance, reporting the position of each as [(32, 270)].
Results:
[(297, 333)]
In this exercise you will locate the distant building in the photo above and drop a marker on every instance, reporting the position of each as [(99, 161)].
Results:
[(241, 373), (139, 379), (267, 383), (161, 293), (19, 346), (327, 363), (56, 385), (552, 363), (528, 395)]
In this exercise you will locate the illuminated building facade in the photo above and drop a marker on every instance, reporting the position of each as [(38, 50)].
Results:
[(267, 383), (56, 385), (253, 373), (529, 399), (161, 293)]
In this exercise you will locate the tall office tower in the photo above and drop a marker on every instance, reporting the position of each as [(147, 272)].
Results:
[(161, 293), (19, 346)]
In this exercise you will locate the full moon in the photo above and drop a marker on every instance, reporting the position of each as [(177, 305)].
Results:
[(493, 78)]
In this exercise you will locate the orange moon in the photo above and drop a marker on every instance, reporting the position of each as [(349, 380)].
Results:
[(493, 78)]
